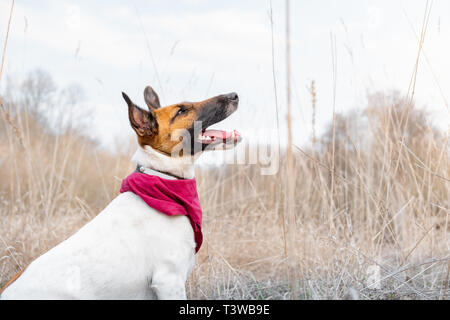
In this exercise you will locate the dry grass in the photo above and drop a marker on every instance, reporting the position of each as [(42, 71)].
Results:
[(370, 206), (389, 208)]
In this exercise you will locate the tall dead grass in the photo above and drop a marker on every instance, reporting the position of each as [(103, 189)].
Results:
[(369, 205), (384, 236)]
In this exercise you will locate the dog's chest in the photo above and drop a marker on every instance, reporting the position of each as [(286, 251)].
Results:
[(139, 225)]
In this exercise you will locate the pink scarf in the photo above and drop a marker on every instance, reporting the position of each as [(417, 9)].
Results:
[(171, 197)]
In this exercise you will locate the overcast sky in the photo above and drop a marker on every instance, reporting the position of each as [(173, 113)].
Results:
[(189, 50)]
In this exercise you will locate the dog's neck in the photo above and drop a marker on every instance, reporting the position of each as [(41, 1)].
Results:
[(148, 157)]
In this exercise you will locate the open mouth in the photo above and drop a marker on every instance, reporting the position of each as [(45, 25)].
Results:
[(219, 109), (209, 137)]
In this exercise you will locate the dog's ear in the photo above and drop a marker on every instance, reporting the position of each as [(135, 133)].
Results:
[(151, 98), (142, 121)]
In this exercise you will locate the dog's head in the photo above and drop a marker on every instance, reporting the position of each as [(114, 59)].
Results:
[(181, 129)]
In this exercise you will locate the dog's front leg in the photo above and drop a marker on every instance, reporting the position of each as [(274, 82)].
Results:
[(168, 286)]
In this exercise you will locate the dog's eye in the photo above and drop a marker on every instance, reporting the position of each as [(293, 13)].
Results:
[(181, 111)]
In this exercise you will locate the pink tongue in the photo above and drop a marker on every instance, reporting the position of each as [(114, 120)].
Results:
[(220, 134)]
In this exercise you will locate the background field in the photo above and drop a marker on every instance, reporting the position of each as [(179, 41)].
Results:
[(359, 208), (374, 201)]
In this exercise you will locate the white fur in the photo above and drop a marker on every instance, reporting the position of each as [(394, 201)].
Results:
[(182, 167), (128, 251)]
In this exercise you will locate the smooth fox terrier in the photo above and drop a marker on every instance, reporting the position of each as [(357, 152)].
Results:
[(143, 244)]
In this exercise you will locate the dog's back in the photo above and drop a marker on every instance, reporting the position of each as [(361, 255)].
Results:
[(120, 254), (130, 250)]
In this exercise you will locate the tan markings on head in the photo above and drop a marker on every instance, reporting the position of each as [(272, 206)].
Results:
[(170, 120), (159, 127)]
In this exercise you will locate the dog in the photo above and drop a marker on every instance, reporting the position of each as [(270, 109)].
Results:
[(131, 250)]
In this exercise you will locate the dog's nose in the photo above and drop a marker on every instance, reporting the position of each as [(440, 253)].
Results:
[(232, 96)]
